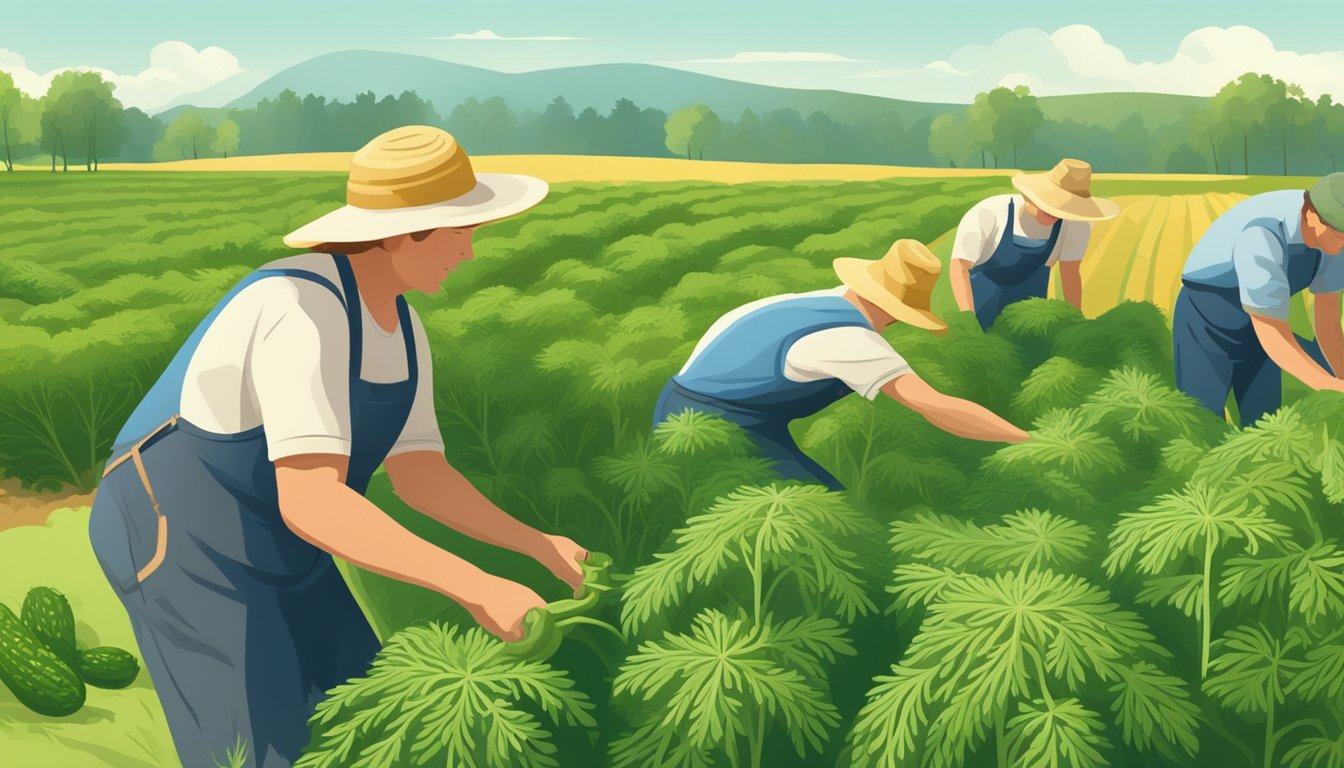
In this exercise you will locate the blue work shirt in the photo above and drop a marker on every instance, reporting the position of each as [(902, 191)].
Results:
[(1250, 248)]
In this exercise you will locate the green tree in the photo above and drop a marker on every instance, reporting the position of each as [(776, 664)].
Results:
[(79, 109), (1285, 112), (20, 119), (1003, 119), (948, 139), (142, 133), (1239, 106), (226, 137), (691, 129), (187, 136)]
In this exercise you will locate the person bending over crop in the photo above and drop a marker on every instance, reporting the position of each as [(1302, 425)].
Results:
[(243, 470), (1006, 244), (787, 357), (1230, 326)]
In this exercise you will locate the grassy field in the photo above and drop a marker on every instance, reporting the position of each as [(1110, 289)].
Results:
[(122, 728), (106, 272)]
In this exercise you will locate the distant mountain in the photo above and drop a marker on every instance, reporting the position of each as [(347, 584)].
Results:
[(217, 95), (343, 75)]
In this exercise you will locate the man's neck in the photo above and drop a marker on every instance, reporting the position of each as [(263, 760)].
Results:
[(378, 285), (866, 308)]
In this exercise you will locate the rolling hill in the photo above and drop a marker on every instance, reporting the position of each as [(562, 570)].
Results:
[(344, 74)]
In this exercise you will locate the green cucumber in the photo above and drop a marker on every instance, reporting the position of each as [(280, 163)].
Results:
[(541, 638), (107, 667), (542, 627), (38, 678), (596, 581), (46, 613)]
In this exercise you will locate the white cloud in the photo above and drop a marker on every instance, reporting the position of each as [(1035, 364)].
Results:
[(486, 34), (1075, 59), (175, 69), (781, 57)]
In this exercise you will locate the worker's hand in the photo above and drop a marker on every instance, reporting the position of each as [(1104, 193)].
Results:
[(562, 558), (501, 609)]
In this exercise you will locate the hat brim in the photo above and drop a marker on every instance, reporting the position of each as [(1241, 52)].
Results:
[(495, 196), (1060, 203), (853, 272)]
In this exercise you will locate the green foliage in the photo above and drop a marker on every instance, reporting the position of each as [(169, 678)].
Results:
[(456, 698), (1062, 439), (726, 680), (989, 643), (1026, 539), (789, 531)]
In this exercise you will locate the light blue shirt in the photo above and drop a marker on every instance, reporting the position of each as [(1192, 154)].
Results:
[(1254, 247)]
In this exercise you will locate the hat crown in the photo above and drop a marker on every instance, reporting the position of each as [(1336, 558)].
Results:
[(1074, 176), (1327, 197), (409, 166), (909, 271)]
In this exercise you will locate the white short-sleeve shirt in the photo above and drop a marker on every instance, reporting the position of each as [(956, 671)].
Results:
[(981, 229), (279, 354), (858, 356)]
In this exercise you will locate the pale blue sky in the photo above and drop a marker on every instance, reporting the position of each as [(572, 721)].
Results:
[(878, 47)]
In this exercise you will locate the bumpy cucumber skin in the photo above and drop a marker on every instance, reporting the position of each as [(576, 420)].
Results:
[(108, 667), (46, 613), (38, 678)]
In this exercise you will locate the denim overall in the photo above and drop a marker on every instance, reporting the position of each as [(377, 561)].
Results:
[(1217, 351), (740, 377), (242, 624), (1016, 271)]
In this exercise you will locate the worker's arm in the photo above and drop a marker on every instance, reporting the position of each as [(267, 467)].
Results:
[(1070, 275), (1329, 334), (1281, 345), (317, 505), (951, 414), (977, 232), (431, 486), (959, 273)]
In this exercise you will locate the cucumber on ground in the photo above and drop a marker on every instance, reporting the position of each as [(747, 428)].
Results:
[(107, 667), (38, 678), (47, 614)]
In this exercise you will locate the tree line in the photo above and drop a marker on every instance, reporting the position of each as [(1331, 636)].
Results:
[(1254, 124)]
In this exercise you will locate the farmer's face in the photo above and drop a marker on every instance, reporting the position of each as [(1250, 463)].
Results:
[(424, 265), (1321, 236), (1042, 218)]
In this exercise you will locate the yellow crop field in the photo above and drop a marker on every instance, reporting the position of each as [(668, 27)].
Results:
[(1140, 253)]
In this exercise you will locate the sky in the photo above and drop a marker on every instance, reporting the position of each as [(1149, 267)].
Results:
[(157, 51)]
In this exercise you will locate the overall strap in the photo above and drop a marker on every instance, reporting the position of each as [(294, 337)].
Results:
[(1006, 237), (408, 337), (164, 398), (353, 315)]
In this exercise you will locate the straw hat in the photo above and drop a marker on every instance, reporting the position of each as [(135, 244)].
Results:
[(1066, 192), (900, 283), (415, 178)]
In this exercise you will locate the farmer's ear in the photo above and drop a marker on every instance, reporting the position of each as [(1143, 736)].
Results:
[(395, 243)]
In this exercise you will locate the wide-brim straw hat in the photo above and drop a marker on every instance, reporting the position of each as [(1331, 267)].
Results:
[(412, 179), (1065, 192), (900, 283)]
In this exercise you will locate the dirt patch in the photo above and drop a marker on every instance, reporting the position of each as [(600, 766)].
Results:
[(21, 507)]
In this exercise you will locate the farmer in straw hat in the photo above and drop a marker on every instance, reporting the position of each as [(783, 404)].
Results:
[(1230, 327), (1006, 244), (787, 357), (243, 470)]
